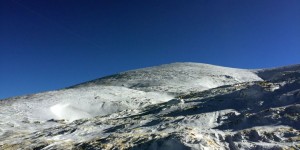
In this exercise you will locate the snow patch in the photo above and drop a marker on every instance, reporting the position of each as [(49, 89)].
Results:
[(68, 112)]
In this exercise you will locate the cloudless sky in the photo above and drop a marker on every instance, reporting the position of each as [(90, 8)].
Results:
[(51, 44)]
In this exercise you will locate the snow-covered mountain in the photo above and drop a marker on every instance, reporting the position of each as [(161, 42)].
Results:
[(173, 106)]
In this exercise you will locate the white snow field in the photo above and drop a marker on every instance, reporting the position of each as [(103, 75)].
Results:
[(173, 106), (127, 90)]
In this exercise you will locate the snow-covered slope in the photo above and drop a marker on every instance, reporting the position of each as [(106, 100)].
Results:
[(127, 90), (173, 106), (176, 78)]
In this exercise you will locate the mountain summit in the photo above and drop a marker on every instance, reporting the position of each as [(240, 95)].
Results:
[(172, 106), (176, 78)]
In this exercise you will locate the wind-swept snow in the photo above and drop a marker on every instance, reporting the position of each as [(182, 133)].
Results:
[(72, 104), (127, 90), (179, 105), (176, 78)]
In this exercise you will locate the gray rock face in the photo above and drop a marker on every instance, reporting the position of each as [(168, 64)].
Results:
[(242, 113)]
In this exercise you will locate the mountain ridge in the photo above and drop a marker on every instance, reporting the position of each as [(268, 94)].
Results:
[(178, 105)]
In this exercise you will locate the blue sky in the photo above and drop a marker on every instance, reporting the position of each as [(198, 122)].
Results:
[(51, 44)]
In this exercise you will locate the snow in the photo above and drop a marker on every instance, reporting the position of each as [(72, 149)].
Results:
[(73, 104), (127, 90), (176, 78), (67, 111), (177, 105)]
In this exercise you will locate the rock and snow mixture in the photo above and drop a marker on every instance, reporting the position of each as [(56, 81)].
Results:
[(170, 107)]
